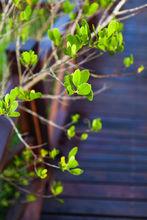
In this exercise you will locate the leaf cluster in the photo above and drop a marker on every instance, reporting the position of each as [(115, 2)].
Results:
[(110, 38), (90, 8), (78, 40), (76, 83), (55, 35), (9, 103), (29, 58), (71, 164)]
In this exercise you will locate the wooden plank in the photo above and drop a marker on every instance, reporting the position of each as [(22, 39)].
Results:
[(105, 177), (112, 157), (114, 140), (94, 191), (96, 147), (111, 166), (83, 217), (113, 149), (97, 207)]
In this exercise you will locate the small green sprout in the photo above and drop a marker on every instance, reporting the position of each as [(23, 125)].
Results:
[(26, 14), (90, 9), (140, 69), (55, 35), (70, 164), (77, 83), (53, 153), (71, 132), (68, 7), (75, 118), (110, 38), (96, 125), (31, 197), (42, 172), (77, 41), (29, 58), (56, 188), (128, 61), (84, 136), (43, 153)]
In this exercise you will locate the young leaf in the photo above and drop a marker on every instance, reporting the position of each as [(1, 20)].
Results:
[(75, 118), (80, 77), (90, 9), (71, 132), (42, 172), (140, 69), (96, 125), (26, 14), (68, 6), (73, 152), (53, 153), (43, 153), (76, 171), (68, 84), (56, 188), (55, 36), (63, 164), (90, 96), (31, 197), (72, 162), (29, 58), (128, 61), (84, 89), (84, 137)]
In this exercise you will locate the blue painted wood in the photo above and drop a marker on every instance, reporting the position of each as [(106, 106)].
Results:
[(114, 183)]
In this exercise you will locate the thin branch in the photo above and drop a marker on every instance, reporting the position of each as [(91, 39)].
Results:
[(49, 122), (132, 10)]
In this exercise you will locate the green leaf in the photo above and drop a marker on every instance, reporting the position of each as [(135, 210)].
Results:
[(84, 89), (31, 197), (29, 58), (13, 106), (42, 172), (110, 38), (34, 95), (84, 137), (68, 84), (80, 77), (68, 7), (90, 96), (55, 36), (76, 171), (14, 114), (53, 153), (140, 69), (96, 125), (72, 162), (71, 132), (26, 14), (75, 118), (62, 164), (128, 61), (73, 152), (43, 153), (104, 3), (112, 27), (91, 9), (56, 188)]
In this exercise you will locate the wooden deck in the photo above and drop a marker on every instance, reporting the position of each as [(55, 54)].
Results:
[(114, 184)]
